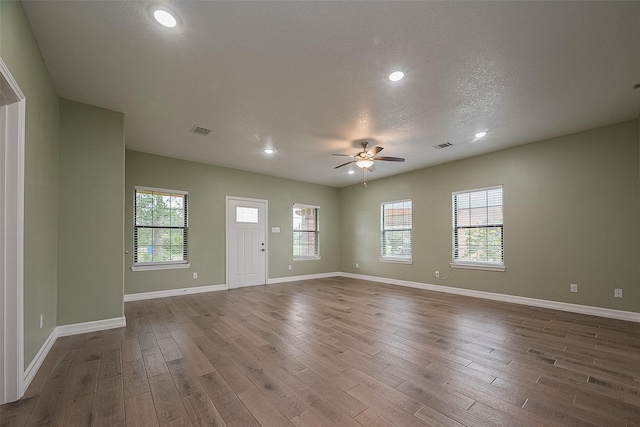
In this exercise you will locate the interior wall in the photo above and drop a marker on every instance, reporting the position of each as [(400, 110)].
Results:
[(21, 54), (91, 214), (571, 211), (208, 187)]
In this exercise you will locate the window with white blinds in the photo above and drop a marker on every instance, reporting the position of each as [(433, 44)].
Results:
[(396, 223), (478, 227), (306, 232), (160, 227)]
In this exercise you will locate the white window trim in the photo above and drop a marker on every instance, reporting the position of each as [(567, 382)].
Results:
[(480, 265), (489, 266), (160, 190), (160, 265), (150, 267), (396, 259), (310, 257)]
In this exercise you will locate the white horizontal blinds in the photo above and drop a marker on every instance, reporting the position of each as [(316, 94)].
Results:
[(161, 226), (396, 229), (478, 224), (306, 242)]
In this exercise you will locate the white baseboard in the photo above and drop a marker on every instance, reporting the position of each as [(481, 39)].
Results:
[(85, 327), (63, 331), (534, 302), (214, 288), (35, 364), (302, 277), (174, 292)]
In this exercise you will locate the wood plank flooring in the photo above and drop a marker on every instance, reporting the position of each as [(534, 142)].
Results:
[(339, 352)]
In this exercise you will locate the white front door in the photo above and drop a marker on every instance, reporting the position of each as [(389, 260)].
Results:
[(246, 242)]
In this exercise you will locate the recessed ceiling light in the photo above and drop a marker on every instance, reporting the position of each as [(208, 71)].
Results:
[(351, 172), (396, 76), (480, 134), (268, 150), (165, 18)]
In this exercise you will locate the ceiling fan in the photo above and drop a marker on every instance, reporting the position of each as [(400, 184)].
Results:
[(365, 159)]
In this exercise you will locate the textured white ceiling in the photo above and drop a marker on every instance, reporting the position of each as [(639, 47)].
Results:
[(309, 78)]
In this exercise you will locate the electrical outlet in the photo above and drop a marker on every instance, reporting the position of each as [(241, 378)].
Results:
[(437, 274), (357, 266), (574, 287), (617, 293), (289, 268), (195, 275), (41, 320)]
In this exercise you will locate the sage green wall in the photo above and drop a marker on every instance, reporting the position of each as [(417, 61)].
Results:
[(571, 211), (91, 214), (208, 187), (19, 51)]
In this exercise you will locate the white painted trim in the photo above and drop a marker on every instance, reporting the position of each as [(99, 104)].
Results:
[(36, 363), (534, 302), (160, 190), (12, 143), (478, 266), (174, 292), (85, 327), (396, 260), (152, 267), (302, 277), (63, 331)]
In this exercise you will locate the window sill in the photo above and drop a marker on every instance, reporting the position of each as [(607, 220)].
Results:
[(397, 260), (472, 266), (306, 258), (159, 267)]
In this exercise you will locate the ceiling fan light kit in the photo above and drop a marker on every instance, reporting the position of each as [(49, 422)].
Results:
[(364, 163)]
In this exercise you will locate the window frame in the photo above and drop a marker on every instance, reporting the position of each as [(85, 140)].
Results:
[(476, 264), (316, 231), (401, 259), (161, 265)]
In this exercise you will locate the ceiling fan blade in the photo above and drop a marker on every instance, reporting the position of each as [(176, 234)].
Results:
[(372, 168), (389, 159), (345, 155), (374, 151), (345, 164)]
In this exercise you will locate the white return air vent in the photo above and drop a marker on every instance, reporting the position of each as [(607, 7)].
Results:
[(443, 145), (201, 131)]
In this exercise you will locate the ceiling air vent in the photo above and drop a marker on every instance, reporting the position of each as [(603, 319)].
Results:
[(201, 131), (443, 145)]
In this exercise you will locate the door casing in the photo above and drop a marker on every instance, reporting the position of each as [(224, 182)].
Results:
[(12, 142)]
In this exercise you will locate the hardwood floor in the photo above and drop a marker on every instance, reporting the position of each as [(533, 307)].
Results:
[(339, 352)]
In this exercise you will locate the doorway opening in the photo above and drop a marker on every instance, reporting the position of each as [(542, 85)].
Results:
[(12, 125)]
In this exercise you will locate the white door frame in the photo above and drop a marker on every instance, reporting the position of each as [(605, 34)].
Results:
[(266, 234), (12, 130)]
